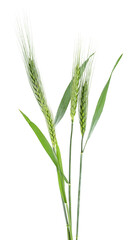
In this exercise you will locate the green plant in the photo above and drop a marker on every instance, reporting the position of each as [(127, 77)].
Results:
[(76, 93)]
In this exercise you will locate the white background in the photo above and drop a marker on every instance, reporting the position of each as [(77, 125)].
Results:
[(30, 204)]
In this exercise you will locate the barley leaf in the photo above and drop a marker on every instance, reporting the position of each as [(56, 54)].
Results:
[(44, 143), (67, 95), (60, 177), (101, 102), (63, 104)]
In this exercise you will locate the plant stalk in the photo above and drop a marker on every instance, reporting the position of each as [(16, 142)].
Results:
[(67, 222), (70, 148), (67, 217), (79, 189)]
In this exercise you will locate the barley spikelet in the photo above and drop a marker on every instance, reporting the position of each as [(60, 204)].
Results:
[(75, 84), (50, 125), (83, 107), (36, 85), (83, 97), (34, 79), (74, 92)]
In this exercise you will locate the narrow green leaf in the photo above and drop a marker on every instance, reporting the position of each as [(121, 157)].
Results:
[(63, 104), (44, 143), (101, 102), (67, 95), (60, 177)]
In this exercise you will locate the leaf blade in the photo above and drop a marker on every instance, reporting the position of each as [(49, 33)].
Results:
[(44, 142), (101, 102), (67, 95), (63, 104)]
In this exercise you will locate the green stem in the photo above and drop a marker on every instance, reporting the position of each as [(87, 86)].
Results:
[(79, 189), (70, 172), (70, 227), (65, 206), (67, 222)]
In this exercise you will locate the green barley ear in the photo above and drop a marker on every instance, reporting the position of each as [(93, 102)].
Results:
[(83, 98), (83, 107), (35, 82), (75, 85)]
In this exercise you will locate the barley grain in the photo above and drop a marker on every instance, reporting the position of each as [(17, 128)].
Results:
[(83, 97), (74, 91), (83, 107)]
